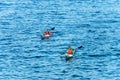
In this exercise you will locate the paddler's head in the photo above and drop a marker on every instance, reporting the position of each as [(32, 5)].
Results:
[(69, 47), (46, 29)]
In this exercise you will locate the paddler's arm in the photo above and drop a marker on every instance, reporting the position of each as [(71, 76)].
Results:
[(50, 33), (73, 51)]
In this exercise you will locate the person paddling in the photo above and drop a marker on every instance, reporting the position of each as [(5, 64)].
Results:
[(70, 51), (47, 32)]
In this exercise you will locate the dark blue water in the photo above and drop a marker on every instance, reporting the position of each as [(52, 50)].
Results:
[(93, 24)]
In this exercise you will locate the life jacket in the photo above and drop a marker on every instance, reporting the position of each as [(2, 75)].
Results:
[(47, 33), (69, 51)]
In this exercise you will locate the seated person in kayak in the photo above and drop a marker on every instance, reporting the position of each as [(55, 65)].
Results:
[(47, 33), (70, 51)]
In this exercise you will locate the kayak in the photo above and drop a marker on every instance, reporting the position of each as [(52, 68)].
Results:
[(45, 36), (68, 57)]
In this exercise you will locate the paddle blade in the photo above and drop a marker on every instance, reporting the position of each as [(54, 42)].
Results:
[(80, 47), (53, 28), (62, 53)]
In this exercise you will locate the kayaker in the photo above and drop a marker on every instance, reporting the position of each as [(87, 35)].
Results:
[(47, 32), (70, 51)]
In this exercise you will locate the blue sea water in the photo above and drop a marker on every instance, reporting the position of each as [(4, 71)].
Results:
[(94, 24)]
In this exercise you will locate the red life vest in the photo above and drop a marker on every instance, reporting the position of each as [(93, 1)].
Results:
[(47, 33), (70, 52)]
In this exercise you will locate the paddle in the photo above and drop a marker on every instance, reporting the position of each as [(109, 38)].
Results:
[(80, 47), (52, 28), (75, 49)]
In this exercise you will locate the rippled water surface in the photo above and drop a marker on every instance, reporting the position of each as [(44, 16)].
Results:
[(94, 24)]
